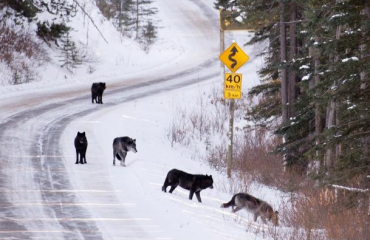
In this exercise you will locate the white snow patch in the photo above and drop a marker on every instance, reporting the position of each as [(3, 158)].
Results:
[(305, 78), (351, 58), (304, 67)]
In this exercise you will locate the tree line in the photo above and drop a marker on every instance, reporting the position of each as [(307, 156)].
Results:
[(314, 89), (133, 18)]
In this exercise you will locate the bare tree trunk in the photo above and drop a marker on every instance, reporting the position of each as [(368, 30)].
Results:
[(331, 114), (330, 121), (293, 55), (137, 19), (284, 80), (318, 116)]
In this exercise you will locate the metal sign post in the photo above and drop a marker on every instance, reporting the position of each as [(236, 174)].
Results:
[(233, 57)]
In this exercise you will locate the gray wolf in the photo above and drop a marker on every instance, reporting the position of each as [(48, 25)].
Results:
[(253, 205), (81, 147), (122, 145), (97, 90), (191, 182)]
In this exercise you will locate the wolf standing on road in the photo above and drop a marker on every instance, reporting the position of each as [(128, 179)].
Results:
[(121, 145), (253, 205), (194, 183), (97, 90), (81, 146)]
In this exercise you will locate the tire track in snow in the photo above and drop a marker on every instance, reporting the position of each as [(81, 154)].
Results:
[(40, 146)]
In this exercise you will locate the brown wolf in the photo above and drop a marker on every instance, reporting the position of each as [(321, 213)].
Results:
[(253, 205)]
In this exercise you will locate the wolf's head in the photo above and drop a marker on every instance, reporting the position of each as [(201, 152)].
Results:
[(102, 84), (131, 145), (81, 137), (274, 217), (209, 181)]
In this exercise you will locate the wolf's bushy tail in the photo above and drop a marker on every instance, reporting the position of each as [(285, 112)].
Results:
[(228, 204)]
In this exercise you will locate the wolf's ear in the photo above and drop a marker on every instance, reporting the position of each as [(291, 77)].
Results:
[(134, 141), (78, 133), (83, 133)]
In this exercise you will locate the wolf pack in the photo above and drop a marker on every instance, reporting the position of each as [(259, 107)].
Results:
[(194, 183)]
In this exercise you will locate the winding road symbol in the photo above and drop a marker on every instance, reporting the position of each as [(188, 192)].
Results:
[(234, 57), (233, 53)]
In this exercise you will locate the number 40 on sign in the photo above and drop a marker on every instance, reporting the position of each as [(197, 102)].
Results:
[(233, 86)]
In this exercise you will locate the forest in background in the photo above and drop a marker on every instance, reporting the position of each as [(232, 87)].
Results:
[(315, 90), (26, 37), (315, 97)]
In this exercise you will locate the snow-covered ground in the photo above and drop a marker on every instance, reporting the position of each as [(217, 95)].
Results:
[(138, 186), (136, 189)]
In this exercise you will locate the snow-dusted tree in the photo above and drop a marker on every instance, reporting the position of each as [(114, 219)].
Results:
[(71, 56), (148, 35), (142, 14), (122, 15)]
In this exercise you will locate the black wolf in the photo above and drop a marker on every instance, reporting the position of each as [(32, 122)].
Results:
[(191, 182), (121, 146), (97, 90), (81, 146), (253, 205)]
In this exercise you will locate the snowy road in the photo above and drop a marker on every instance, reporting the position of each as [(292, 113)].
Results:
[(38, 196), (39, 199)]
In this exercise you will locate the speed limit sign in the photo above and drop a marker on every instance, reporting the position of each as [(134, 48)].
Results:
[(233, 86)]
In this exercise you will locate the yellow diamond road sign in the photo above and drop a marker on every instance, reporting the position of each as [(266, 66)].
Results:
[(234, 57)]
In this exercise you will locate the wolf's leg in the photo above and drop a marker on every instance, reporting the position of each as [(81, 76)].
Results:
[(198, 196), (76, 157), (172, 188), (263, 219), (84, 158), (114, 157), (123, 157), (191, 194), (236, 209), (256, 215)]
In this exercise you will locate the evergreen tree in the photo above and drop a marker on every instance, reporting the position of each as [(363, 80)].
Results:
[(25, 8), (71, 56), (143, 11), (149, 35), (324, 65)]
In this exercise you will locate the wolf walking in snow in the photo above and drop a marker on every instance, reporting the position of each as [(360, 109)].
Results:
[(191, 182), (253, 205), (122, 145)]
